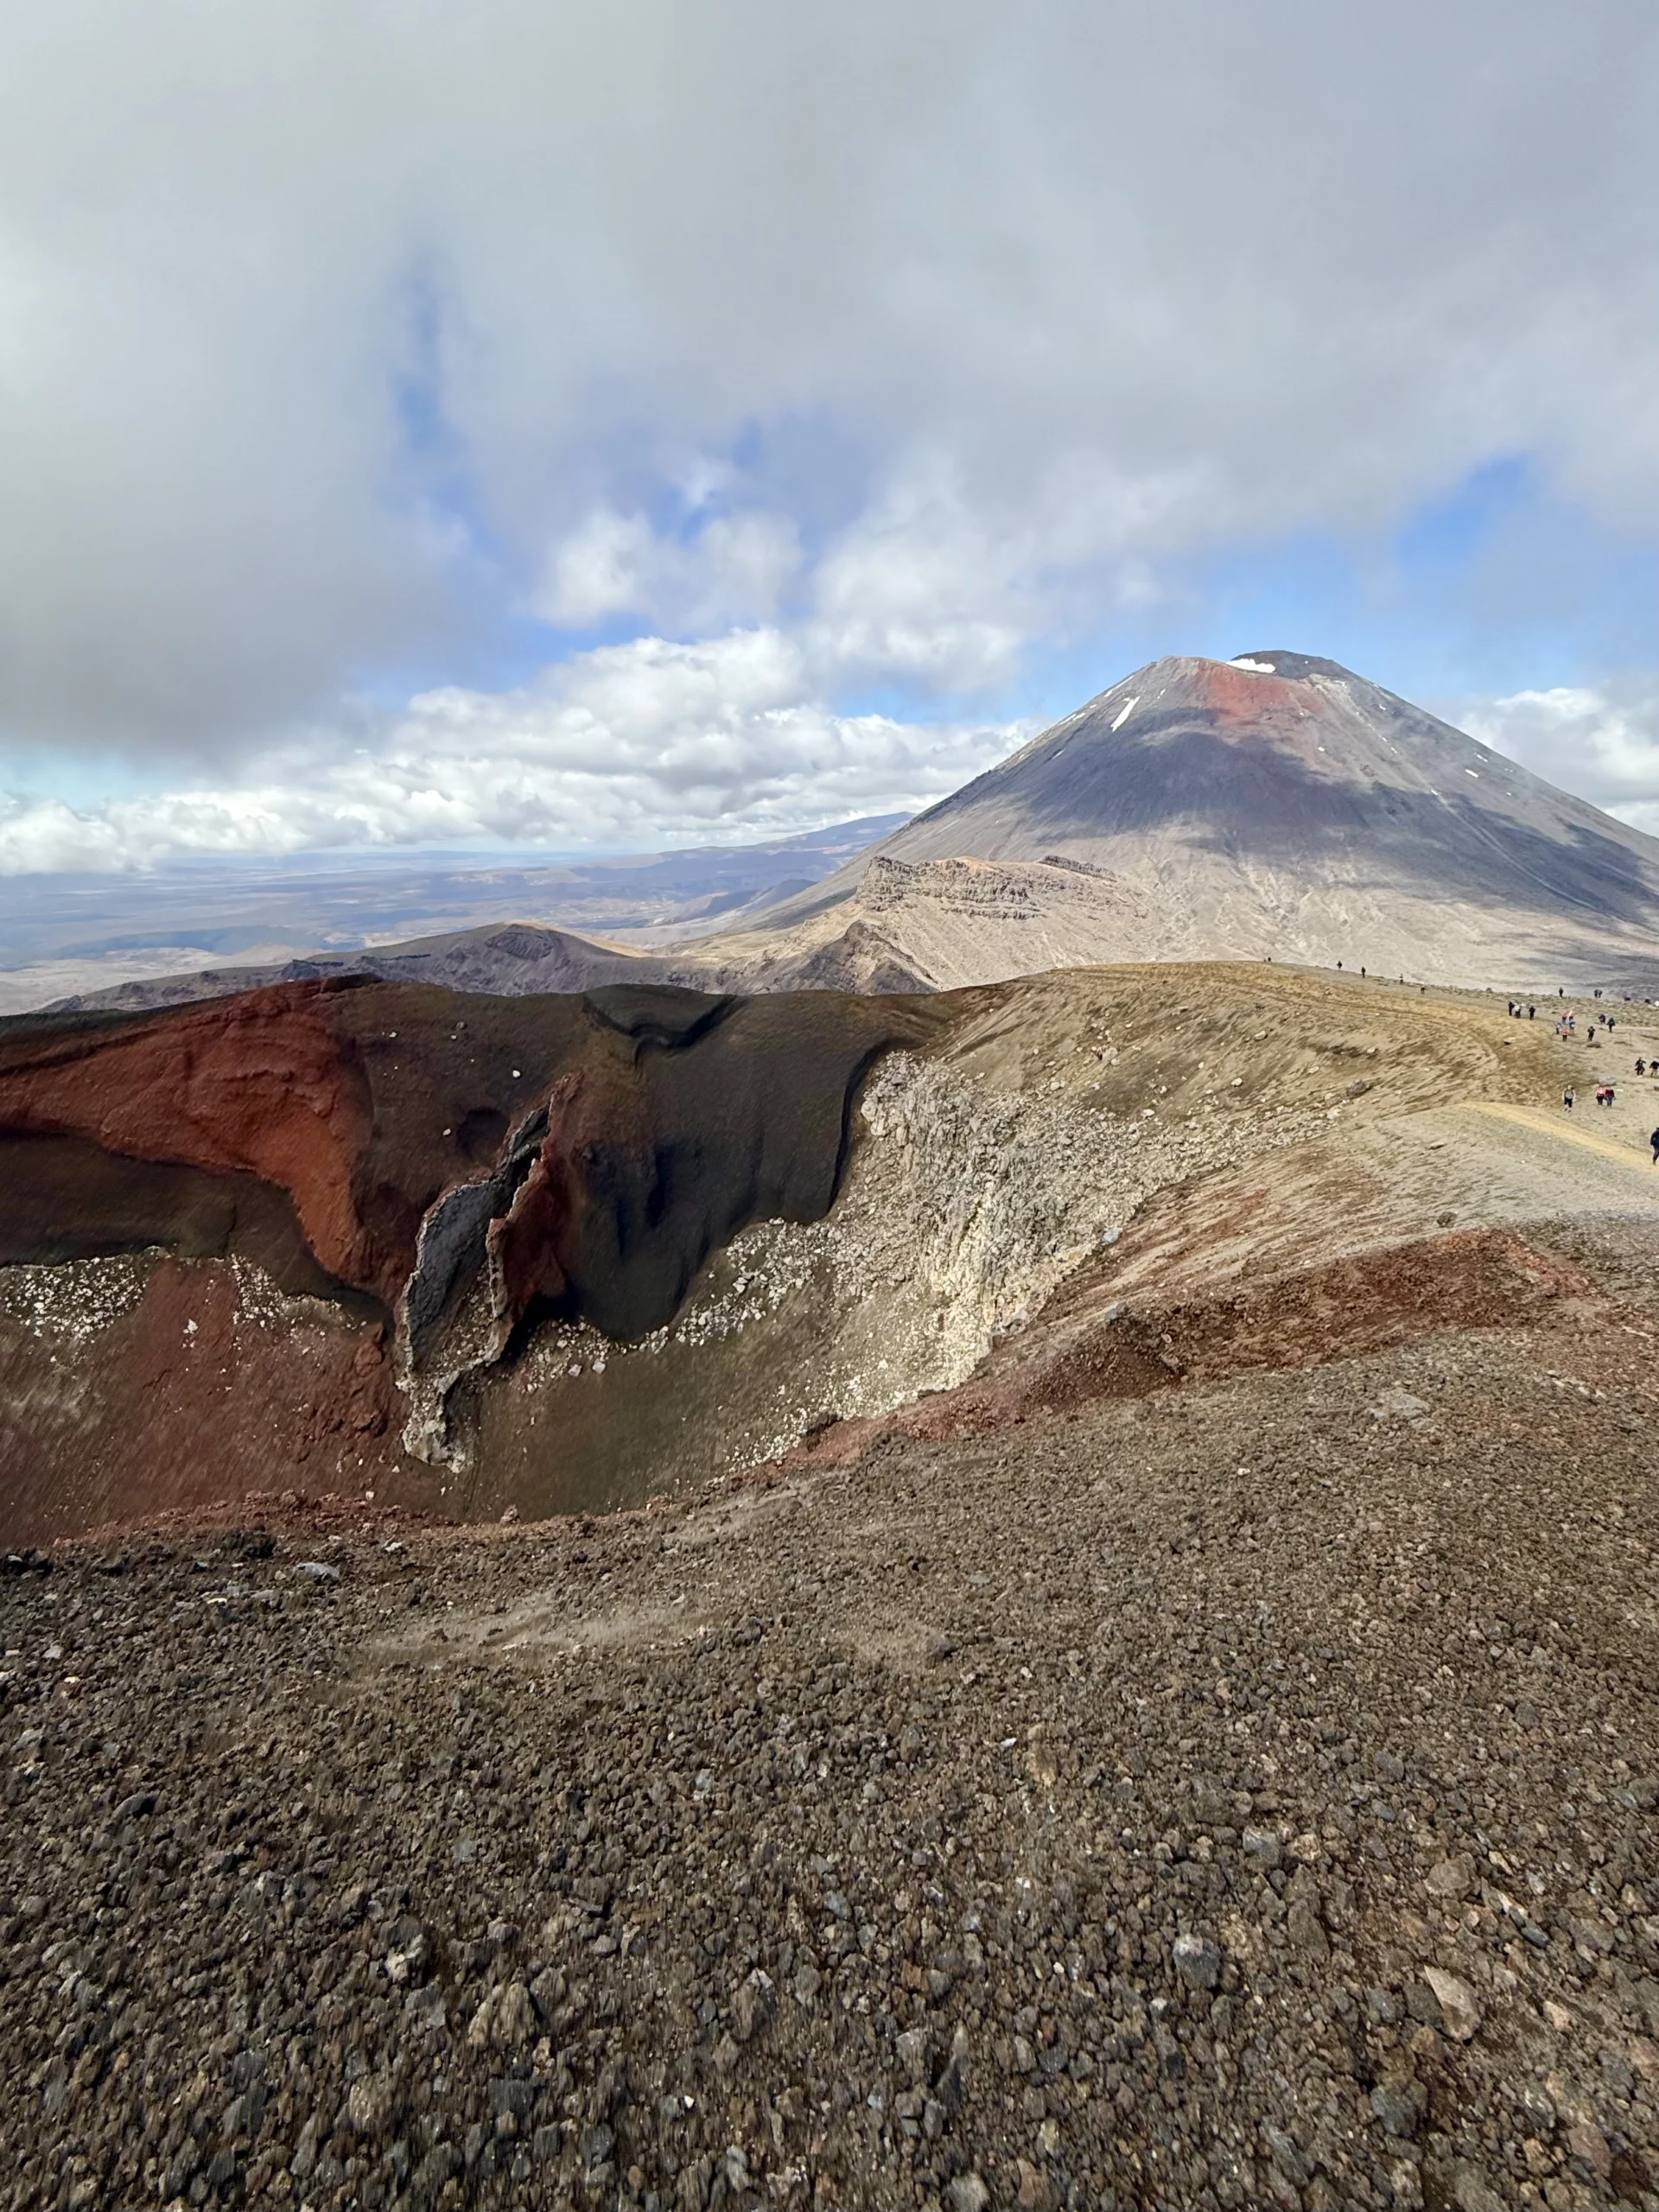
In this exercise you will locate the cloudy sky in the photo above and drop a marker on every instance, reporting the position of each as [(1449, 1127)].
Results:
[(610, 426)]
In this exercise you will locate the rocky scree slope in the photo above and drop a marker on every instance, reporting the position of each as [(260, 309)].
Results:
[(1244, 1797)]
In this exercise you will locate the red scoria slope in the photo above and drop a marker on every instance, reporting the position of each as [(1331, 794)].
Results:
[(667, 1118), (270, 1085)]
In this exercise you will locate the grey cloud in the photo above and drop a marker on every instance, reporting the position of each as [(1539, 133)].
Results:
[(331, 328)]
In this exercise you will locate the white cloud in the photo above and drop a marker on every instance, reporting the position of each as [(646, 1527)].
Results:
[(1601, 742), (923, 586), (630, 747), (930, 583), (736, 566), (606, 567), (321, 321)]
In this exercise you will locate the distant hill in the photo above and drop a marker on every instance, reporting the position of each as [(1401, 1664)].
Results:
[(113, 944)]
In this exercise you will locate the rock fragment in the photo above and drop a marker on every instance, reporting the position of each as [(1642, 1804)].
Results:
[(1459, 2010), (1197, 1961), (506, 2020)]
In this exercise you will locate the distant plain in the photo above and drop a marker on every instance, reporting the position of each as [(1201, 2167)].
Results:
[(65, 934)]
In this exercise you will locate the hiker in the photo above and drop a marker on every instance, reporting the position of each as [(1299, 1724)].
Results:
[(1641, 1067), (1566, 1098), (1532, 1013), (1653, 1141)]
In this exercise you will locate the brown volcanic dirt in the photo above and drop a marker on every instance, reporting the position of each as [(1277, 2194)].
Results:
[(1291, 1167), (1240, 1796), (1085, 1345), (182, 1384), (1206, 1761)]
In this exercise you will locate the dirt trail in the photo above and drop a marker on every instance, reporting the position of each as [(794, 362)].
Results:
[(1564, 1131)]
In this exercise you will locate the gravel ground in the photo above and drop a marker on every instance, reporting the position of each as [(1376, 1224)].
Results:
[(1241, 1797)]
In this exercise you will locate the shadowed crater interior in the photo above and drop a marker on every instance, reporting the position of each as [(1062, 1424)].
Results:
[(383, 1142)]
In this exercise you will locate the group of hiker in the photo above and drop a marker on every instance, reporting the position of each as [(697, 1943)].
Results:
[(1606, 1093), (1567, 1028)]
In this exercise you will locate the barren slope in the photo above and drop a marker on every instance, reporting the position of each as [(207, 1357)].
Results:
[(1239, 1797), (1183, 1740)]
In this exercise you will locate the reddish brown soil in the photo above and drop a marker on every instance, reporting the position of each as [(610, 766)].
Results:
[(266, 1085), (1086, 1345), (1241, 701), (186, 1399)]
